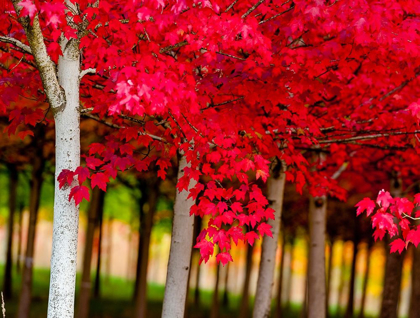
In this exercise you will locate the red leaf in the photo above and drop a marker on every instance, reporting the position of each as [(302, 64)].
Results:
[(366, 204), (224, 258), (25, 133), (265, 228), (65, 177), (384, 199), (397, 245), (79, 193), (251, 236), (82, 174), (100, 180)]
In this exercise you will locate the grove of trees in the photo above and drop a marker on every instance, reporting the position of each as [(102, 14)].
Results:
[(231, 101)]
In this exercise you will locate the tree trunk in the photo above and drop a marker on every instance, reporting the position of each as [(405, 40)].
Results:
[(109, 249), (180, 251), (97, 287), (146, 224), (35, 194), (350, 301), (278, 312), (225, 298), (342, 280), (366, 279), (393, 271), (19, 251), (415, 284), (275, 188), (197, 228), (142, 203), (244, 311), (304, 311), (288, 290), (316, 270), (7, 282), (96, 204), (214, 312), (329, 275), (66, 213)]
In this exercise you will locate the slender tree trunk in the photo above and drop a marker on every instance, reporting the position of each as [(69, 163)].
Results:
[(288, 290), (342, 279), (329, 275), (109, 249), (96, 204), (350, 301), (316, 283), (278, 312), (415, 285), (214, 312), (35, 193), (7, 282), (225, 298), (97, 286), (275, 188), (393, 271), (142, 203), (244, 310), (145, 233), (19, 251), (180, 251), (197, 229), (304, 311), (366, 279)]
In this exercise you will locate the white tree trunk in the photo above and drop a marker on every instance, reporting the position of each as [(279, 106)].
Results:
[(262, 305), (317, 283), (66, 214), (180, 252)]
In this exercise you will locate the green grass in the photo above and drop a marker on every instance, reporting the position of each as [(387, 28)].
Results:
[(116, 299)]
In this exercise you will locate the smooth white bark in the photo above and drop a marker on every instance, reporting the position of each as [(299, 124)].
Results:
[(180, 252), (262, 305), (316, 274), (66, 213)]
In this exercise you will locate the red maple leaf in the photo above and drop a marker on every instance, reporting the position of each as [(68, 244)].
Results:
[(79, 193)]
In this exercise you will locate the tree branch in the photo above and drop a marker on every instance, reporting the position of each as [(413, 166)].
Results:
[(252, 9), (231, 6), (16, 43), (277, 15), (223, 103), (87, 71)]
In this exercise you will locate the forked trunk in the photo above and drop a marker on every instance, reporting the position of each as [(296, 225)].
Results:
[(96, 204), (180, 251), (316, 270), (35, 193), (145, 234), (393, 271), (244, 310), (275, 188), (7, 282)]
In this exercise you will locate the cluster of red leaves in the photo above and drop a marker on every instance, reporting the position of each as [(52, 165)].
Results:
[(230, 87), (393, 216)]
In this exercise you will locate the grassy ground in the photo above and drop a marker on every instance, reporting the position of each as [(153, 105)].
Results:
[(116, 299)]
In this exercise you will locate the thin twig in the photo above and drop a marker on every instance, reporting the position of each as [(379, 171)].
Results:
[(223, 103), (87, 71), (405, 215)]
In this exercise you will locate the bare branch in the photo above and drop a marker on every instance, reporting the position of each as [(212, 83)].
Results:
[(223, 103), (367, 137), (231, 6), (277, 15), (112, 125), (171, 47), (340, 171), (252, 9), (16, 43), (87, 71)]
